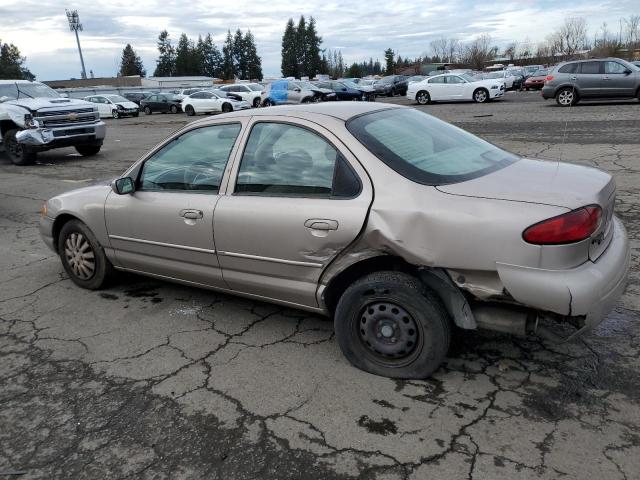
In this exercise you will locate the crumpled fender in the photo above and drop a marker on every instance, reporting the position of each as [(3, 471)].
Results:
[(15, 113), (34, 137)]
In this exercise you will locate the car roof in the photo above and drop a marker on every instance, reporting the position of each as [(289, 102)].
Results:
[(341, 110)]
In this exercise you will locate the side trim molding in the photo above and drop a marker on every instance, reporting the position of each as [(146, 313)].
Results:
[(162, 244), (270, 259)]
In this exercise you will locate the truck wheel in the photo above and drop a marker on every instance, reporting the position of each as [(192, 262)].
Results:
[(83, 258), (17, 153), (390, 324), (88, 150)]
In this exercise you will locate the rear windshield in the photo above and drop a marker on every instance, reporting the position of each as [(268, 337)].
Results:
[(427, 150)]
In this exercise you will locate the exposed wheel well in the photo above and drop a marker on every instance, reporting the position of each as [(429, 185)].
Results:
[(341, 282), (58, 224), (5, 126)]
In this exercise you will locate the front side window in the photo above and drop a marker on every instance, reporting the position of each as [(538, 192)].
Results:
[(614, 68), (194, 161), (454, 79), (427, 150), (283, 159)]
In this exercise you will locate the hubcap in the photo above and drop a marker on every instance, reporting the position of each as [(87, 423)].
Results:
[(79, 256), (387, 330), (481, 96), (422, 98), (566, 97)]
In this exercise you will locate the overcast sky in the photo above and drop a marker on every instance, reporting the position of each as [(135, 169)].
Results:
[(359, 28)]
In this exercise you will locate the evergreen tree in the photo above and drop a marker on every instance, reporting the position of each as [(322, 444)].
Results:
[(166, 61), (324, 64), (210, 57), (228, 71), (131, 63), (239, 54), (300, 47), (12, 63), (289, 66), (254, 62), (312, 49), (390, 65), (186, 62)]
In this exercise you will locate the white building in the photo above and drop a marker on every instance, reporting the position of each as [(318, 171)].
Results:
[(178, 82)]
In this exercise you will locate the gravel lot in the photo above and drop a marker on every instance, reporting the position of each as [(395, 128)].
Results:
[(152, 380)]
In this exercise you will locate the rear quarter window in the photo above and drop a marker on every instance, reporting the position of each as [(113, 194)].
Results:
[(568, 68)]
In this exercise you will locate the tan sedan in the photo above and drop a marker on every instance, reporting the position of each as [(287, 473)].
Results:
[(396, 224)]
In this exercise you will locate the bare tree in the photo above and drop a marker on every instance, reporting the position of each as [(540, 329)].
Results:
[(439, 47), (510, 51), (479, 52), (574, 34), (632, 30), (452, 49)]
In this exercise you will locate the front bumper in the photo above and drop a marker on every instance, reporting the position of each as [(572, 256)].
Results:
[(47, 138), (589, 291)]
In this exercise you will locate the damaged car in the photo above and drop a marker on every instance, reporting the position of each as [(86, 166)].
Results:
[(35, 118), (399, 226)]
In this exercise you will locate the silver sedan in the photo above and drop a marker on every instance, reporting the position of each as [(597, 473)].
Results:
[(396, 224)]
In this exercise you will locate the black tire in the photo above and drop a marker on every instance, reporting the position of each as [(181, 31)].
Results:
[(88, 150), (423, 97), (565, 97), (226, 108), (392, 301), (267, 103), (189, 111), (115, 114), (481, 95), (173, 109), (71, 247), (307, 100), (147, 110), (136, 114), (256, 102), (18, 154)]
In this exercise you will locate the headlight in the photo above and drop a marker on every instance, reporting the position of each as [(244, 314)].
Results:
[(119, 107), (29, 122), (494, 87)]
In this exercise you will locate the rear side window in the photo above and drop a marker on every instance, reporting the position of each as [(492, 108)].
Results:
[(286, 160), (590, 68), (568, 68), (427, 150)]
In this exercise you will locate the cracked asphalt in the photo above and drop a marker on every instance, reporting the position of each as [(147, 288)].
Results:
[(147, 379)]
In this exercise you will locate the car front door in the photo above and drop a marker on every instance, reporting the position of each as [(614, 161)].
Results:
[(454, 87), (165, 227), (103, 106), (297, 199), (615, 81), (589, 79)]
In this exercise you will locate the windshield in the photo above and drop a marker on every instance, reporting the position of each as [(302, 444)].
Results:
[(349, 84), (427, 150), (540, 73), (305, 85), (495, 75), (27, 90), (117, 98), (467, 77)]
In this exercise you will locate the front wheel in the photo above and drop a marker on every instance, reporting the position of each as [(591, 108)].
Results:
[(390, 324), (226, 108), (88, 150), (423, 97), (83, 258), (115, 114), (17, 153), (480, 95)]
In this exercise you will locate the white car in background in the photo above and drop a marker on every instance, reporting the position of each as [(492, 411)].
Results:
[(206, 101), (250, 92), (113, 105), (451, 87), (505, 75)]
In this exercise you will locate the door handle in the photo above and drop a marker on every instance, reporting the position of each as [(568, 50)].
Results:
[(321, 224), (191, 214), (606, 78), (573, 78)]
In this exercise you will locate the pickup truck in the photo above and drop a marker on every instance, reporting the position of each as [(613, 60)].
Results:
[(35, 118)]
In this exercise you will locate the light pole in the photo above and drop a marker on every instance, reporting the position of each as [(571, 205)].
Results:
[(75, 26)]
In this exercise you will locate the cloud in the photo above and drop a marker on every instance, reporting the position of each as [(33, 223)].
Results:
[(358, 28)]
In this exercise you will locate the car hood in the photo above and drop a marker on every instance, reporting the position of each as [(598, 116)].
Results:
[(45, 102), (542, 182), (366, 89), (127, 104)]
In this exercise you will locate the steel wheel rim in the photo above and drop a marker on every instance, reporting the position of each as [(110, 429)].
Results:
[(388, 332), (79, 256), (566, 97)]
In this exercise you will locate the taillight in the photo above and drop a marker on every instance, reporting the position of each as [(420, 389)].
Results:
[(548, 78), (567, 228)]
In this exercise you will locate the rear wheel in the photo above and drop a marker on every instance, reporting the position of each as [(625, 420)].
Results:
[(423, 97), (147, 111), (173, 109), (88, 150), (481, 95), (17, 153), (566, 97), (83, 258), (390, 324), (189, 110)]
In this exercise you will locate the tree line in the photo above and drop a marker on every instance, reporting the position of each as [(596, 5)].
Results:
[(301, 50)]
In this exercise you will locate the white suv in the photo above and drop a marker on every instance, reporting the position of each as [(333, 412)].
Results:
[(250, 92)]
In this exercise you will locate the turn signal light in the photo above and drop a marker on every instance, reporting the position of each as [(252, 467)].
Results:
[(570, 227)]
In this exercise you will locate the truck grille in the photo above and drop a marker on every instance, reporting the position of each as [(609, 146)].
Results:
[(65, 118)]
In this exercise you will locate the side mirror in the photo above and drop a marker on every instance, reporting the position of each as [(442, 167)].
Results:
[(297, 90), (627, 71), (123, 186)]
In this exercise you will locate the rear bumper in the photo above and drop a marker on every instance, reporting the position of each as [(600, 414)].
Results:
[(548, 92), (589, 291)]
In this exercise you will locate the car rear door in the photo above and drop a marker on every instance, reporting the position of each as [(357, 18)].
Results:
[(589, 78), (615, 82), (297, 197), (437, 88), (165, 227)]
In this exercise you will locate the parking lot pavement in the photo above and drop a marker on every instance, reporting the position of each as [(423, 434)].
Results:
[(153, 380)]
